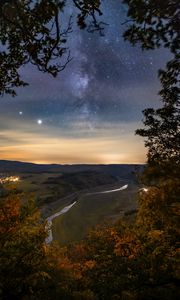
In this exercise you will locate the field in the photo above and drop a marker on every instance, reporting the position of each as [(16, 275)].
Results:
[(91, 210), (55, 187), (49, 187)]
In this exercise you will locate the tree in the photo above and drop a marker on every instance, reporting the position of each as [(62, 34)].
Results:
[(123, 261), (156, 24), (102, 262), (32, 32), (30, 269)]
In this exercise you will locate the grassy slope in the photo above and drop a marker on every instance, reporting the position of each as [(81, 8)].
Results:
[(51, 190), (92, 210), (30, 183)]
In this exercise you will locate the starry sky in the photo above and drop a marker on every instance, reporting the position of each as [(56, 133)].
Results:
[(89, 113)]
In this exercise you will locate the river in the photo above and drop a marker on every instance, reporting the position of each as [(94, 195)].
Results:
[(49, 239)]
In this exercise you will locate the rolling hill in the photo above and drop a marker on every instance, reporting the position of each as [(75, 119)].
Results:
[(119, 170)]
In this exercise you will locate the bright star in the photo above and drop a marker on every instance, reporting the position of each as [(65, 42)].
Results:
[(20, 112), (39, 122)]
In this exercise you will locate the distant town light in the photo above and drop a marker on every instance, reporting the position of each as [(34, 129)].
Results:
[(144, 190), (9, 179)]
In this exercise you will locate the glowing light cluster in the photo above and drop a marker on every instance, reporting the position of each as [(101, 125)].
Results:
[(9, 179), (144, 190)]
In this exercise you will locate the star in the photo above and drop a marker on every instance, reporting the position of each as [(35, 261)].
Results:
[(105, 87), (39, 121)]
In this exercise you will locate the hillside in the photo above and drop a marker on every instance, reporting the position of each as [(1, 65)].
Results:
[(56, 186), (121, 170), (93, 209)]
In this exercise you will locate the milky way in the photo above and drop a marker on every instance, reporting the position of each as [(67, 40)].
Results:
[(91, 110)]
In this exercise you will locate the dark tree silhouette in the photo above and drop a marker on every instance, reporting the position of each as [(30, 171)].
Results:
[(31, 31), (156, 24)]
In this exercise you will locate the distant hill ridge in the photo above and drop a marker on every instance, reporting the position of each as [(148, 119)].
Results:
[(122, 170)]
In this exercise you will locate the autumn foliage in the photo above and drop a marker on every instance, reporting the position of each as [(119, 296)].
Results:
[(28, 267), (128, 260)]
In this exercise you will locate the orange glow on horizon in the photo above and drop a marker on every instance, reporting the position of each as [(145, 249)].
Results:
[(106, 147), (73, 152)]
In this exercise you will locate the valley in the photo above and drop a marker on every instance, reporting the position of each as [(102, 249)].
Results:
[(92, 209), (75, 199)]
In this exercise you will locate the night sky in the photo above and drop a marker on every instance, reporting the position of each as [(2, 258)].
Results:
[(89, 113)]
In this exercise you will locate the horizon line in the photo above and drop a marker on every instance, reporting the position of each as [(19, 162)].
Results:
[(72, 164)]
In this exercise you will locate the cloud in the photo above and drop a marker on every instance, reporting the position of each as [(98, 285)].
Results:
[(104, 146), (68, 151)]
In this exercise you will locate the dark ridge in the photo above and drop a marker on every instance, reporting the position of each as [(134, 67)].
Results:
[(119, 170)]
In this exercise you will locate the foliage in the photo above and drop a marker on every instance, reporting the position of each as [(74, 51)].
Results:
[(163, 134), (29, 268), (89, 8), (32, 32), (156, 24), (121, 262)]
